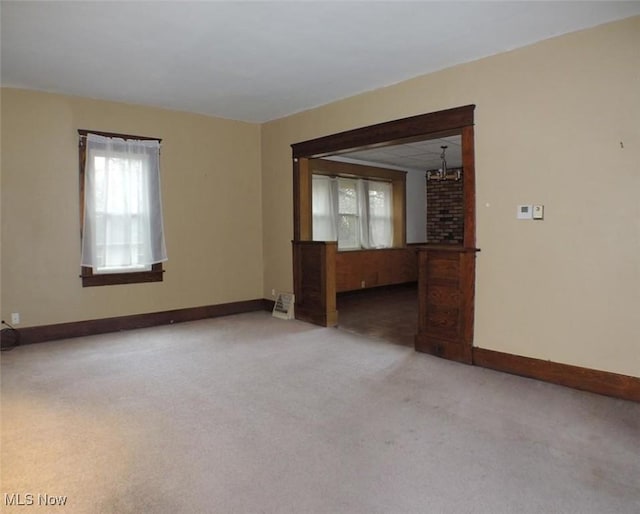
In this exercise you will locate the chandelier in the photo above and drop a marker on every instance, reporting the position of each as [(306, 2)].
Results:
[(443, 173)]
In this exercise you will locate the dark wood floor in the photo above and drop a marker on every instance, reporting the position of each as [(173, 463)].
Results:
[(389, 313)]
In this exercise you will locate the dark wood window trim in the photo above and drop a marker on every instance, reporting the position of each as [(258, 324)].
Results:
[(89, 278)]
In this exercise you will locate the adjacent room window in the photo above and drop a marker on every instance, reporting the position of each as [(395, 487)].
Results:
[(122, 229), (358, 213), (351, 205)]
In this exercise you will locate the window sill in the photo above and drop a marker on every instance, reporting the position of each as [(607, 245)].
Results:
[(350, 250), (110, 279)]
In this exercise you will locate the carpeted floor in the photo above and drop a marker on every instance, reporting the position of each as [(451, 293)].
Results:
[(250, 414)]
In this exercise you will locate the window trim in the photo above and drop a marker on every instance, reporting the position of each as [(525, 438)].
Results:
[(89, 278)]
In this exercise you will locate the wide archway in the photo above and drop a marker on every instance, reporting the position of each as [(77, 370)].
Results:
[(446, 274)]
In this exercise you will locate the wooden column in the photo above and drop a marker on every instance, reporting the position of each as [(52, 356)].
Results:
[(446, 283), (314, 269)]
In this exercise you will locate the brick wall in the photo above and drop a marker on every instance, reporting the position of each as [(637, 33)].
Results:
[(445, 213)]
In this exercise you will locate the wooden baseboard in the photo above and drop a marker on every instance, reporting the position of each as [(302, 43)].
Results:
[(454, 351), (44, 333), (269, 304), (595, 381)]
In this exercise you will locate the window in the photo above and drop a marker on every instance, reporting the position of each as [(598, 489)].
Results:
[(362, 216), (122, 234), (348, 214)]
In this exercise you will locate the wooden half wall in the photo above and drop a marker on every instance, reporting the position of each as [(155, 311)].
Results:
[(314, 271), (360, 269), (446, 287)]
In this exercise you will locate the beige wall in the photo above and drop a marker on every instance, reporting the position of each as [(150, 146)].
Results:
[(550, 119), (211, 183)]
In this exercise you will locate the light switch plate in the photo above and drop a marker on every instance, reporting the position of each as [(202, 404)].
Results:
[(524, 212), (538, 212)]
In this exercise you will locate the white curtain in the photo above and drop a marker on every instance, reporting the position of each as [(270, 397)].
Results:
[(357, 213), (122, 227), (379, 197), (362, 187), (325, 208)]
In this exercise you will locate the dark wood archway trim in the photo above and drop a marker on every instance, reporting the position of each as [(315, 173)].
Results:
[(390, 132), (458, 120), (469, 186)]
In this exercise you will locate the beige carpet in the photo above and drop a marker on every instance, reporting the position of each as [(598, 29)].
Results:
[(249, 414)]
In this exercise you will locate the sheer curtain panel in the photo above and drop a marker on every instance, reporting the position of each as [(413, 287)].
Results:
[(358, 213), (324, 204), (122, 226)]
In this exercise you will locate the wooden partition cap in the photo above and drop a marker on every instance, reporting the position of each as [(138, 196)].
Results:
[(448, 248), (307, 242)]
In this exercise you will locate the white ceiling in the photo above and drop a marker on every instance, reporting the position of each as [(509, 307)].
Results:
[(258, 61), (416, 157)]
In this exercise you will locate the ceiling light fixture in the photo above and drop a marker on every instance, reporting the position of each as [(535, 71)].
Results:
[(443, 173)]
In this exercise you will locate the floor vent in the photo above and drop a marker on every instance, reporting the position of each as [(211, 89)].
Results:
[(283, 307)]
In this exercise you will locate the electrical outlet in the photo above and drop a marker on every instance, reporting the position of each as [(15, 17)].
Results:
[(15, 318), (273, 293), (362, 284)]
